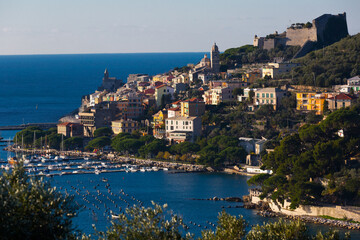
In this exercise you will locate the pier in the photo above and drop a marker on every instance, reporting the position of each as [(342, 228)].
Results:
[(23, 126)]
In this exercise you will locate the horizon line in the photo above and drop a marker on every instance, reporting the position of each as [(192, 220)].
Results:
[(45, 54)]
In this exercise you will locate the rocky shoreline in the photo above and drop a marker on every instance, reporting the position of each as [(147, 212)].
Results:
[(265, 211)]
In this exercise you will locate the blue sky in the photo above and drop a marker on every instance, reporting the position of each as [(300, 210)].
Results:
[(127, 26)]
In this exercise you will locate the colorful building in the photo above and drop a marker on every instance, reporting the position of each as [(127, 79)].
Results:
[(341, 100), (192, 107), (269, 96), (311, 101)]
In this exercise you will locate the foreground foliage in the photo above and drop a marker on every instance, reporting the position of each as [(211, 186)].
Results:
[(31, 209)]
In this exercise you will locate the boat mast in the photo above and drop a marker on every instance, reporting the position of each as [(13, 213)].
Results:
[(34, 141)]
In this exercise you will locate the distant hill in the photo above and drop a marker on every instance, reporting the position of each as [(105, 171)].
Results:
[(331, 65), (246, 54)]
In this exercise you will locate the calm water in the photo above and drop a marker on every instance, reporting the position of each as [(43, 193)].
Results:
[(44, 88)]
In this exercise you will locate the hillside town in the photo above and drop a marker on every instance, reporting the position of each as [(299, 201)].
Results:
[(283, 111), (171, 105)]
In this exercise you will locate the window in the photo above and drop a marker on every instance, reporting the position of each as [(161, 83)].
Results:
[(267, 95), (263, 95), (271, 95), (258, 95), (172, 128)]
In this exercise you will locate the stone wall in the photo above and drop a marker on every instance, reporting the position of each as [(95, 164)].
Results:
[(329, 210), (298, 37)]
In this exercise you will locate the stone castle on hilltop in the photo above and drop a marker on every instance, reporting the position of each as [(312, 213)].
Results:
[(324, 30)]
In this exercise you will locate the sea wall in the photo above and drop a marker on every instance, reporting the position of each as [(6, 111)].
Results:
[(329, 210)]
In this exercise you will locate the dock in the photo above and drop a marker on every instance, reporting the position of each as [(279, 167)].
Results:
[(23, 126)]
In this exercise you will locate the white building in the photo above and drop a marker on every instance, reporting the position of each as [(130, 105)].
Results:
[(273, 70), (180, 129)]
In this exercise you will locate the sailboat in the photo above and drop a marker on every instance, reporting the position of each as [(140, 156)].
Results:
[(62, 156)]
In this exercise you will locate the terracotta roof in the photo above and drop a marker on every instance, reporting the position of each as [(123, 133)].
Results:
[(149, 91), (143, 84), (162, 85), (177, 102), (194, 99), (174, 109), (343, 96), (157, 83)]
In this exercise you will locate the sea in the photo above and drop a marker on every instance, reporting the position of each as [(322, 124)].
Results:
[(43, 88)]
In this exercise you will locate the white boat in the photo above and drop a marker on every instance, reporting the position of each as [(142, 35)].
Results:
[(155, 169), (165, 169), (97, 171), (67, 167), (86, 158), (142, 170), (75, 171), (114, 216)]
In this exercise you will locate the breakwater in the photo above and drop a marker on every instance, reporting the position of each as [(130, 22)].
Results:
[(23, 126)]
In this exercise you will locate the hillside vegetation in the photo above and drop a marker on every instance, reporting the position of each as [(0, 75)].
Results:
[(314, 155), (249, 54), (330, 65)]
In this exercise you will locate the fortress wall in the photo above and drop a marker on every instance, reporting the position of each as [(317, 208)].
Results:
[(298, 37)]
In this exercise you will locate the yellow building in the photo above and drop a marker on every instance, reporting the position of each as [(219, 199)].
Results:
[(157, 78), (311, 101), (159, 118)]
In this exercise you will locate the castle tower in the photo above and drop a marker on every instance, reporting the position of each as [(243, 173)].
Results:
[(106, 74), (215, 59)]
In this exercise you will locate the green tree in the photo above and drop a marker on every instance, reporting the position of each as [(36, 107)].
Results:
[(145, 223), (74, 143), (229, 227), (153, 148), (238, 91), (279, 230), (98, 143), (104, 131), (31, 209)]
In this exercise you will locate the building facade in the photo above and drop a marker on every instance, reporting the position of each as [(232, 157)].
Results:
[(341, 100), (218, 95), (162, 90), (124, 126), (69, 129), (180, 129), (192, 107), (311, 101), (268, 96)]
